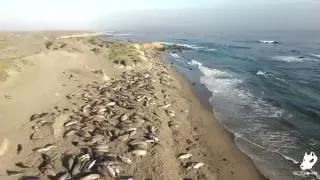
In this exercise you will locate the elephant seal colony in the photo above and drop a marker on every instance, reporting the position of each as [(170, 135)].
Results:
[(109, 109)]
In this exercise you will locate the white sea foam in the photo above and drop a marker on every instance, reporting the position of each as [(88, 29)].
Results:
[(315, 55), (175, 55), (268, 41), (313, 142), (306, 174), (290, 159), (230, 99), (212, 49), (225, 84), (290, 59), (269, 75), (219, 80), (196, 47), (216, 74), (251, 142), (219, 86), (260, 73), (167, 43), (194, 62), (191, 46)]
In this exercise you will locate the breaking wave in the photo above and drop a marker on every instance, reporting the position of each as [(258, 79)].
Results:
[(190, 47), (259, 41), (177, 57), (315, 55), (194, 62), (253, 93), (268, 42), (269, 75), (290, 159), (261, 73), (255, 136), (290, 59), (223, 83)]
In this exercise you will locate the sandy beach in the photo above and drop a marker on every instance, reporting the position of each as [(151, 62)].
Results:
[(73, 106)]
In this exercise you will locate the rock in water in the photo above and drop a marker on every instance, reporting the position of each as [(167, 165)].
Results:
[(58, 125)]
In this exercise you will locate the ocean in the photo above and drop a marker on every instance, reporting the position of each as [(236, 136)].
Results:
[(263, 87)]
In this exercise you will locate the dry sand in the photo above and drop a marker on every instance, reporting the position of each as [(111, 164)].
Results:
[(41, 70)]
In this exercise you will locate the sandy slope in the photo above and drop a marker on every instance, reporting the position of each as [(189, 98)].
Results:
[(49, 74), (41, 82)]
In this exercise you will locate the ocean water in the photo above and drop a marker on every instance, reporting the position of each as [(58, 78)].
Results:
[(264, 88)]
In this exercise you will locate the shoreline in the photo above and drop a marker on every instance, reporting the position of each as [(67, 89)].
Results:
[(204, 102), (158, 109), (203, 95), (208, 107)]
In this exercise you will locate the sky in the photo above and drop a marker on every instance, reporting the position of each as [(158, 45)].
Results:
[(162, 15)]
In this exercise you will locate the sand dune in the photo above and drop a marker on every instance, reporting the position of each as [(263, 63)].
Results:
[(64, 77)]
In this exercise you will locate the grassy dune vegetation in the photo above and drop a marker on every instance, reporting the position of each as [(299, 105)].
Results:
[(123, 53)]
